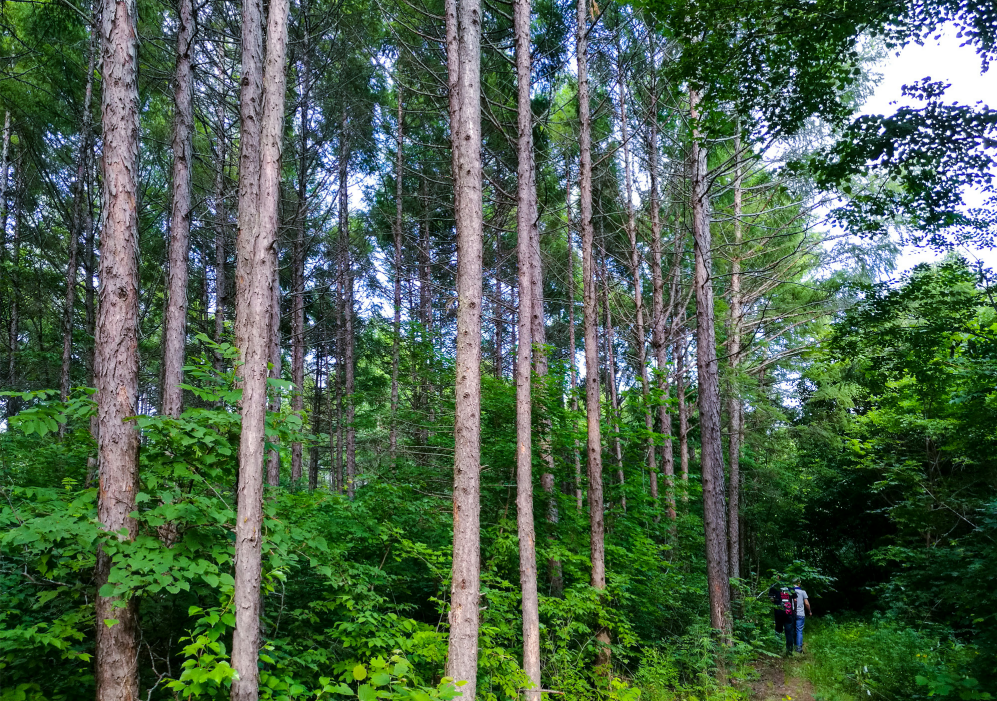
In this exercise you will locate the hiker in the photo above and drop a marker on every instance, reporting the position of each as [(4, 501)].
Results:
[(778, 610), (784, 612), (794, 622)]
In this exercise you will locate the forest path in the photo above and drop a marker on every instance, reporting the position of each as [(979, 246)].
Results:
[(779, 680)]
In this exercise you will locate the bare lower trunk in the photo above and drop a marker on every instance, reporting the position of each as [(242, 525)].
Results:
[(589, 297), (298, 260), (464, 69), (116, 663), (336, 439), (526, 223), (683, 412), (221, 222), (256, 277), (734, 405), (614, 403), (638, 283), (711, 460), (273, 458), (348, 342), (4, 168), (316, 420), (14, 325), (397, 231), (497, 309), (76, 226), (425, 320), (658, 315), (175, 316), (571, 338)]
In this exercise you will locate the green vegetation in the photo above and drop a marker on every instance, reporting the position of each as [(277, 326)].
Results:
[(886, 659), (788, 406)]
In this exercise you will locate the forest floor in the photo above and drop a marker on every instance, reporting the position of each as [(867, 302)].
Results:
[(780, 679)]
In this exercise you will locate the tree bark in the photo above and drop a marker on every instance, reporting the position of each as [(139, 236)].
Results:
[(678, 351), (571, 337), (711, 459), (497, 309), (526, 223), (256, 276), (175, 315), (734, 400), (425, 317), (589, 298), (640, 335), (4, 169), (614, 403), (658, 313), (316, 420), (116, 352), (76, 225), (298, 254), (221, 223), (348, 341), (463, 28), (273, 339), (14, 324), (336, 439), (397, 232)]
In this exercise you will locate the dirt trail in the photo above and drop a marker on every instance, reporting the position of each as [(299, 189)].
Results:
[(778, 681)]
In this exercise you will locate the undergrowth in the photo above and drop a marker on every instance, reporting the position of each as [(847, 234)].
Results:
[(885, 660)]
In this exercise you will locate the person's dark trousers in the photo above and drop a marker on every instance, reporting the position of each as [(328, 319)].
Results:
[(800, 620), (790, 630)]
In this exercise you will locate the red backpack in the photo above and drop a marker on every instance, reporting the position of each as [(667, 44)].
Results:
[(788, 599)]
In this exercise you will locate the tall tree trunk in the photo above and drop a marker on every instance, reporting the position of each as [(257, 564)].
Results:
[(678, 351), (263, 122), (734, 406), (316, 419), (589, 298), (526, 223), (711, 459), (116, 668), (497, 309), (221, 223), (175, 315), (425, 318), (273, 339), (635, 272), (340, 375), (14, 325), (4, 169), (463, 27), (348, 342), (397, 232), (76, 226), (89, 295), (658, 311), (298, 253), (614, 403), (571, 336)]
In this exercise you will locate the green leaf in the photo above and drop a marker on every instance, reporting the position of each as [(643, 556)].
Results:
[(359, 672), (380, 679), (110, 622)]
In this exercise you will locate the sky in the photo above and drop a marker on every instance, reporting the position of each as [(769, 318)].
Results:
[(945, 60)]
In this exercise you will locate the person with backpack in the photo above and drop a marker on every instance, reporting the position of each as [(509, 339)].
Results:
[(785, 615), (797, 612), (779, 612)]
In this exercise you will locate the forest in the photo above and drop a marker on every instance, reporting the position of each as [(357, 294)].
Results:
[(517, 349)]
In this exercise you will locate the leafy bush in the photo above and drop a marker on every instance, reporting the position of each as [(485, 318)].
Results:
[(885, 659)]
